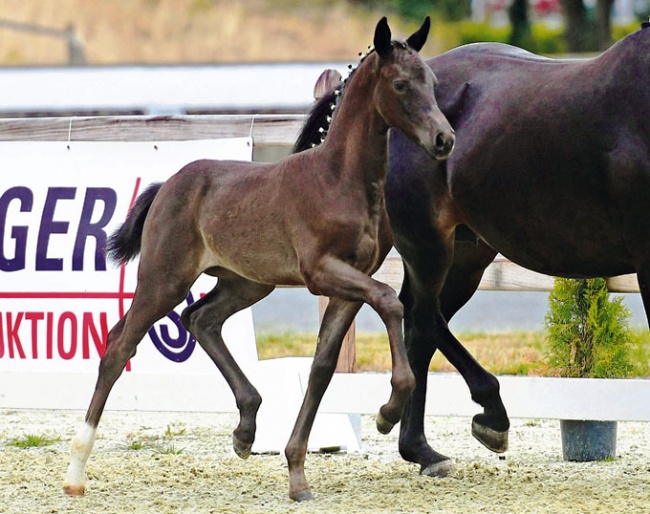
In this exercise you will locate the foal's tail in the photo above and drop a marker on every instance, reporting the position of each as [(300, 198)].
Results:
[(124, 244)]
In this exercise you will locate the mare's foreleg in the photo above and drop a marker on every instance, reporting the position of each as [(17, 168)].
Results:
[(205, 319), (425, 299), (336, 321), (461, 282), (418, 337)]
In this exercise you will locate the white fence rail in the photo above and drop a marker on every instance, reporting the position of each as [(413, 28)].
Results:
[(266, 130), (349, 393)]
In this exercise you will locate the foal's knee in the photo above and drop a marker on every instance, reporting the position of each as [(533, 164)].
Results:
[(388, 306)]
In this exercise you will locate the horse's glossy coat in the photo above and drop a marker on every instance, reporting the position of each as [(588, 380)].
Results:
[(551, 168), (316, 219)]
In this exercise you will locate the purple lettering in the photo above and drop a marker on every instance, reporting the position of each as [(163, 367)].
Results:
[(18, 233), (49, 226), (96, 230)]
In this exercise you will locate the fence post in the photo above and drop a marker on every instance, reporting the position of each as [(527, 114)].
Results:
[(75, 45), (76, 50)]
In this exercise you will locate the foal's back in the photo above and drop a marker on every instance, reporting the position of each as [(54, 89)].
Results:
[(259, 220)]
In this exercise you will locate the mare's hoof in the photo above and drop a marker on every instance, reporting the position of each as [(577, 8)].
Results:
[(493, 440), (383, 425), (439, 469), (74, 490), (303, 496), (241, 448)]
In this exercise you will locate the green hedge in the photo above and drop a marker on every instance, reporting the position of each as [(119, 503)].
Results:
[(543, 40)]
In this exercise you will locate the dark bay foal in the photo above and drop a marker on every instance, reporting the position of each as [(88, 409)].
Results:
[(316, 219)]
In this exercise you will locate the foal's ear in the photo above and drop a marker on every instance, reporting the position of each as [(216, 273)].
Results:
[(382, 38), (417, 40)]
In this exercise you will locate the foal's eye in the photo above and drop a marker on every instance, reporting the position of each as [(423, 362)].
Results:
[(400, 87)]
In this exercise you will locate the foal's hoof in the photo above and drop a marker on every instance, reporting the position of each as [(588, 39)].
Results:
[(241, 448), (439, 469), (74, 490), (493, 440), (303, 496), (383, 425)]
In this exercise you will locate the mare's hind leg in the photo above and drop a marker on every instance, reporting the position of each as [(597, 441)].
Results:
[(205, 319), (151, 302), (426, 330), (337, 319)]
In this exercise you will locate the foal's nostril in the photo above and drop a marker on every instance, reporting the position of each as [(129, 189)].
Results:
[(444, 142)]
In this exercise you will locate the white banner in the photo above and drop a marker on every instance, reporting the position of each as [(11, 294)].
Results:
[(58, 295)]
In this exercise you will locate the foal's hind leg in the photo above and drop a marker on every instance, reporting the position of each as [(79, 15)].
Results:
[(204, 319), (336, 321), (150, 303)]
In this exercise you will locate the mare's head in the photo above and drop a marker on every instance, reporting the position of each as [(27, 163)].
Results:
[(404, 92)]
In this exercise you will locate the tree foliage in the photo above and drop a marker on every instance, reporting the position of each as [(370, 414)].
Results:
[(587, 331), (416, 10)]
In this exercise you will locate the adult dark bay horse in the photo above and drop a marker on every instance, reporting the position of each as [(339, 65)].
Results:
[(316, 219), (551, 168)]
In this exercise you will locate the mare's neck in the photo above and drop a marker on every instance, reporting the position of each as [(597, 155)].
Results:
[(626, 64)]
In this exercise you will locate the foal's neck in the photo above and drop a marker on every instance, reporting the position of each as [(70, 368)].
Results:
[(358, 135)]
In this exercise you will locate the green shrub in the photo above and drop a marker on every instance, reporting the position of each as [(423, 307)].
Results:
[(543, 39), (588, 332), (470, 32), (620, 31), (547, 40)]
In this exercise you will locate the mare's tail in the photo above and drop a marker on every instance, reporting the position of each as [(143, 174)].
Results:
[(317, 123), (124, 244)]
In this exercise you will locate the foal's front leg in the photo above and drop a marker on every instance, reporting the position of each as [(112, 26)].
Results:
[(336, 321), (337, 279)]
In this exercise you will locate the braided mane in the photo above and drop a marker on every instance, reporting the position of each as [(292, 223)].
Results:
[(314, 130), (317, 124)]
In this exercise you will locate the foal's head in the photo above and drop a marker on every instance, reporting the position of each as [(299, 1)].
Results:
[(404, 93)]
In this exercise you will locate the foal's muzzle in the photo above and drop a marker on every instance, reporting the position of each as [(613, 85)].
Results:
[(443, 144)]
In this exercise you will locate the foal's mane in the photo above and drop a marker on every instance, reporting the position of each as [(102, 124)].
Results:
[(317, 124), (318, 121), (314, 130)]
